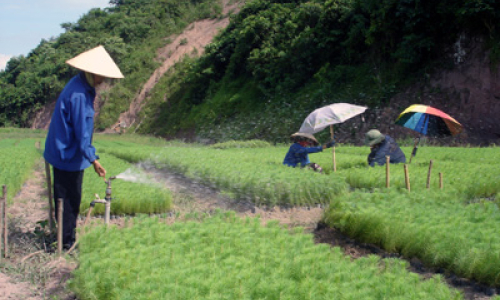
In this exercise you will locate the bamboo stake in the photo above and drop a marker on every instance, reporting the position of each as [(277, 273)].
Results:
[(333, 150), (387, 171), (49, 192), (407, 177), (429, 175), (4, 197), (60, 210), (440, 180), (5, 223)]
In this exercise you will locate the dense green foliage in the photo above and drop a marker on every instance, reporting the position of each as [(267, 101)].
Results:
[(130, 30), (275, 62), (279, 60), (224, 257)]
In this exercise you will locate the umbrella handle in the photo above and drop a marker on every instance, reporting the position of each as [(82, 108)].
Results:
[(415, 148), (333, 151)]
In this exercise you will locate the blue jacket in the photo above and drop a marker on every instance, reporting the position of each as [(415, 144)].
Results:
[(298, 154), (68, 143), (387, 147)]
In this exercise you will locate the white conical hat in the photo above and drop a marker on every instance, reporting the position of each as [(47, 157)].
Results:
[(96, 61)]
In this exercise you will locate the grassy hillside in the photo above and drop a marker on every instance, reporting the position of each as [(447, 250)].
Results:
[(274, 63), (279, 60), (131, 31)]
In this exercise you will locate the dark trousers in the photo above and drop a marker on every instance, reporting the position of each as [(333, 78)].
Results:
[(68, 186)]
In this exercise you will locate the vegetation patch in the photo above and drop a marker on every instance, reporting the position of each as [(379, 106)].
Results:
[(225, 257)]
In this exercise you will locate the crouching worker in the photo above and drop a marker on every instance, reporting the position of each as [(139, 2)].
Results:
[(382, 146), (303, 144)]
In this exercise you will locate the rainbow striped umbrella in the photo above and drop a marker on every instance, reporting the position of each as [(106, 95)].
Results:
[(428, 121)]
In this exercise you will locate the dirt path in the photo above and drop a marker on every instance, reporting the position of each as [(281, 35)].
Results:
[(190, 196), (31, 273)]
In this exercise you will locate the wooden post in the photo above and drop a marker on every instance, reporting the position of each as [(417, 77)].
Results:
[(387, 171), (440, 180), (4, 198), (5, 223), (333, 150), (49, 193), (407, 177), (429, 175), (60, 206)]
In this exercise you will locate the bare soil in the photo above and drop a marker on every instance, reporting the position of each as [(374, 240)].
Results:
[(34, 271)]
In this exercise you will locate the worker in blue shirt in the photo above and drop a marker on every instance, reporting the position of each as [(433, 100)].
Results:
[(381, 146), (68, 146), (298, 153)]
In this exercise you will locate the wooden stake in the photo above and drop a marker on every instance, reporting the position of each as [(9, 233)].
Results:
[(387, 171), (440, 180), (60, 206), (5, 223), (4, 197), (49, 193), (407, 177), (429, 175), (333, 150)]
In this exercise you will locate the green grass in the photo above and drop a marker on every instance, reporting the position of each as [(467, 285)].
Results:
[(224, 257), (128, 197), (17, 159)]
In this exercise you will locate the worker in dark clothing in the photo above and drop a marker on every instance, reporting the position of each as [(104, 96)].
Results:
[(298, 153), (68, 146), (382, 146)]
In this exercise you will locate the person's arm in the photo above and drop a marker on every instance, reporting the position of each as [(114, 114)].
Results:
[(83, 134), (378, 156), (301, 150)]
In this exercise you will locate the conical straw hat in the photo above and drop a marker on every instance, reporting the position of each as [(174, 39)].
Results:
[(305, 136), (96, 61)]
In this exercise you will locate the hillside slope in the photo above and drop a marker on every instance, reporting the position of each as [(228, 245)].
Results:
[(190, 42)]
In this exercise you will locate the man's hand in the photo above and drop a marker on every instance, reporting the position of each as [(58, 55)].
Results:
[(99, 169)]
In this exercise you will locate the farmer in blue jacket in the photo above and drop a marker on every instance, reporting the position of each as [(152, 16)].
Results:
[(303, 144), (382, 146), (68, 146)]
